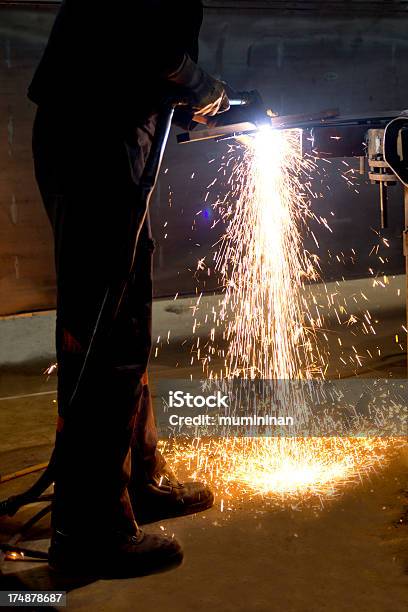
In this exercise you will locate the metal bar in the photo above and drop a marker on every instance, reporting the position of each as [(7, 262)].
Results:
[(27, 552), (305, 6), (29, 4), (24, 472), (10, 546), (383, 205), (289, 122)]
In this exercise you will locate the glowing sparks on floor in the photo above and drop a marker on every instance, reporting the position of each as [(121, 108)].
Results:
[(287, 466), (276, 468)]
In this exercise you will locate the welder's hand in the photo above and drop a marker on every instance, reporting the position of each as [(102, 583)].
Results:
[(206, 96), (209, 98)]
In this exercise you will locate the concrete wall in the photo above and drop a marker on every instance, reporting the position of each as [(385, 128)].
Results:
[(26, 261)]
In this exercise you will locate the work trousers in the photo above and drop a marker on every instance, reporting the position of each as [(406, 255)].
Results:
[(106, 441)]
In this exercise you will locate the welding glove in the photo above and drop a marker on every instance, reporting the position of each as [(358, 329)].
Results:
[(206, 95)]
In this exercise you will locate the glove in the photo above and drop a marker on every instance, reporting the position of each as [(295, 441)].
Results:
[(206, 95)]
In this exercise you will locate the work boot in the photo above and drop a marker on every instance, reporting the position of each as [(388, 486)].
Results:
[(163, 496), (118, 555)]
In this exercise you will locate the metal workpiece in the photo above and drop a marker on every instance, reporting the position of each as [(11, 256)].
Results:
[(246, 115), (326, 134), (380, 172)]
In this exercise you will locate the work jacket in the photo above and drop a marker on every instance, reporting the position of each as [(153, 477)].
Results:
[(110, 60)]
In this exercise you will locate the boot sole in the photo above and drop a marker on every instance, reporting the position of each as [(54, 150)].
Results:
[(140, 568)]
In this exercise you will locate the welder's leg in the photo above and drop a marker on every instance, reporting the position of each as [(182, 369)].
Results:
[(89, 194), (92, 449)]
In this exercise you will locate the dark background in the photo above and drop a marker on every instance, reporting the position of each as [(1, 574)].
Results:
[(302, 56)]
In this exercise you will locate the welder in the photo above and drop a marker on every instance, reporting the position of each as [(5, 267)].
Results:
[(98, 88)]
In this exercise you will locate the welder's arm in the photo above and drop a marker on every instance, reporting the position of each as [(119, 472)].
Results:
[(205, 95), (176, 27)]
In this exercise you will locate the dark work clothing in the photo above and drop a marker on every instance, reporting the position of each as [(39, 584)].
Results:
[(89, 189), (98, 87), (112, 58)]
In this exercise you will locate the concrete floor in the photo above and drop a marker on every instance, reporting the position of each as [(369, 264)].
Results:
[(264, 555), (350, 555)]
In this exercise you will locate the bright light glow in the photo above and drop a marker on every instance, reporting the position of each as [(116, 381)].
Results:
[(238, 468)]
